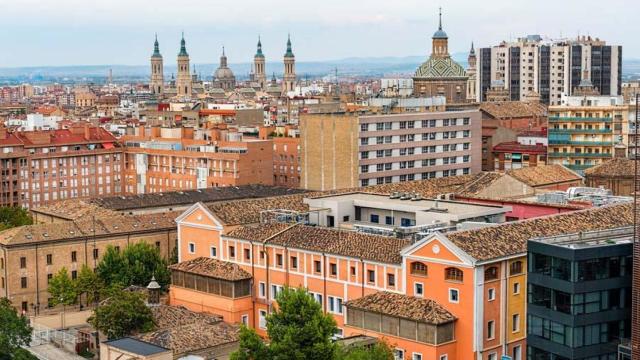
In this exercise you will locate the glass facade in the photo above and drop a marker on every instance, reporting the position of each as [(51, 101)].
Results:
[(579, 300)]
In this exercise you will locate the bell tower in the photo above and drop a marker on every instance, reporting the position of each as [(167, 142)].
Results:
[(157, 71), (258, 66), (440, 41), (289, 80), (183, 81)]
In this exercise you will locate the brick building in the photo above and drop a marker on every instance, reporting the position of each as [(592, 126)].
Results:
[(41, 166), (617, 174), (286, 154)]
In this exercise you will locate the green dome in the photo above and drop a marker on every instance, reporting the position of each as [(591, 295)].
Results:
[(437, 67)]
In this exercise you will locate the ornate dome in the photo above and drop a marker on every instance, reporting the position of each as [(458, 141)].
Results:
[(224, 73), (440, 34), (437, 67)]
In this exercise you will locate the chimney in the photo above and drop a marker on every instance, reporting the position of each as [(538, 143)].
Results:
[(153, 292)]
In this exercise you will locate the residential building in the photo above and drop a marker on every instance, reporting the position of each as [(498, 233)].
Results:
[(585, 131), (286, 160), (440, 75), (579, 294), (348, 150), (514, 155), (549, 68), (467, 287), (46, 165), (166, 159)]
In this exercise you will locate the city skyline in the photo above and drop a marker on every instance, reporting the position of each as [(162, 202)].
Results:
[(74, 33)]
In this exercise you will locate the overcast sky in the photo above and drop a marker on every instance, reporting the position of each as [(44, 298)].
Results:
[(95, 32)]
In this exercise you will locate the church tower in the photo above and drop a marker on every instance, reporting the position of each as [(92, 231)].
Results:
[(258, 65), (471, 72), (440, 41), (157, 78), (183, 81), (289, 81)]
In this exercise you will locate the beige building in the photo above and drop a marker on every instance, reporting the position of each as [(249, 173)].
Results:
[(347, 150)]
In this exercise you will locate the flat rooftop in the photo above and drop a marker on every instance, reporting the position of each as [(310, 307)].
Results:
[(590, 239), (456, 209)]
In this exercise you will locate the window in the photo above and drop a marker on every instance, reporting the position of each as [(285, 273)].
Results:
[(515, 325), (317, 266), (23, 282), (23, 263), (49, 277), (515, 268), (275, 290), (262, 290), (398, 354), (262, 322), (192, 248), (245, 320), (493, 356), (335, 304), (232, 251), (418, 268), (74, 275), (294, 262), (491, 294), (444, 357), (453, 274), (418, 289), (516, 288), (517, 353), (371, 276), (491, 329), (391, 280), (95, 253), (353, 271), (333, 269), (388, 220), (416, 356), (491, 273), (374, 218), (279, 259), (49, 259), (454, 295), (213, 251), (317, 297)]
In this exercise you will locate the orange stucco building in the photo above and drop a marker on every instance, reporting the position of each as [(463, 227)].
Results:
[(476, 291)]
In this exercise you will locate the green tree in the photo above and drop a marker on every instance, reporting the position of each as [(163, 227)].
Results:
[(89, 284), (123, 313), (62, 289), (380, 351), (12, 216), (133, 266), (297, 329), (14, 331)]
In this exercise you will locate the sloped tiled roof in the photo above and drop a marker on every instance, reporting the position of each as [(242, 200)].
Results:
[(511, 238), (331, 241), (403, 306), (513, 109), (617, 167), (212, 268), (544, 175)]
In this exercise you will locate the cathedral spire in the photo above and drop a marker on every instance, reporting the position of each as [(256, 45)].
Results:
[(259, 50), (440, 20), (183, 47), (289, 52), (223, 59), (473, 51), (156, 48)]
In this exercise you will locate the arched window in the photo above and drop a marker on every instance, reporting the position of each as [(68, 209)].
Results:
[(516, 268), (453, 274), (418, 268), (491, 273)]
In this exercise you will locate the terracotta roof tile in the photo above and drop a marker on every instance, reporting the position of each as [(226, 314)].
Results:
[(513, 109), (511, 238), (331, 241), (212, 268), (403, 306), (544, 175), (618, 167)]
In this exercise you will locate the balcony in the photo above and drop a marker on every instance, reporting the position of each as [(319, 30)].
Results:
[(557, 119), (578, 167), (581, 143), (579, 155), (580, 131)]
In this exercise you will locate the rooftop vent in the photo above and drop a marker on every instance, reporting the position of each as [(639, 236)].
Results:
[(405, 196), (394, 195), (416, 197)]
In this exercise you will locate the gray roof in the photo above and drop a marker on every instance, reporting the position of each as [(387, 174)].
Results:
[(188, 197), (136, 346)]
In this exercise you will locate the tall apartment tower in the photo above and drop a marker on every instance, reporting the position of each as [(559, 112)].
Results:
[(157, 78), (289, 81), (549, 68), (184, 83), (258, 65), (472, 70)]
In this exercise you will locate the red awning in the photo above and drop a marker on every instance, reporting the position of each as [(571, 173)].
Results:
[(108, 145)]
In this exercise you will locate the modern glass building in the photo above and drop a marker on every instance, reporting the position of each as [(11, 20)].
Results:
[(579, 295)]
